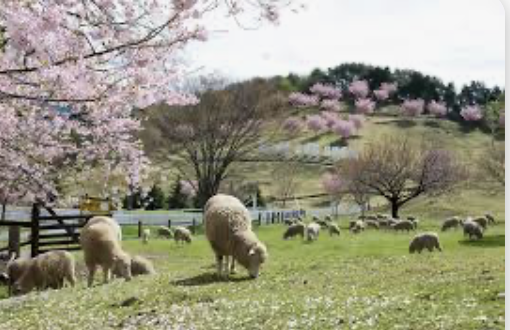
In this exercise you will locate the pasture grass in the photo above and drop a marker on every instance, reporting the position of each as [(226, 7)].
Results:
[(365, 281)]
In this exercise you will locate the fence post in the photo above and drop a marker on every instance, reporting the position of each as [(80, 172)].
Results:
[(34, 244), (260, 219), (169, 223), (140, 228), (194, 226), (14, 240)]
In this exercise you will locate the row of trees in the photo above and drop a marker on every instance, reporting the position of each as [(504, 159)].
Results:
[(181, 196), (411, 85)]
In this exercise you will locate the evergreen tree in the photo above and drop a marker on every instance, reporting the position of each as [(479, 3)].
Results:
[(177, 199), (155, 199)]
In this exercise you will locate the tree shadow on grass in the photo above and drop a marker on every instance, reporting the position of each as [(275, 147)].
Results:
[(402, 123), (487, 241), (206, 279)]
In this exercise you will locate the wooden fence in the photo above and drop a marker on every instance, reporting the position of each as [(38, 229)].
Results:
[(46, 232)]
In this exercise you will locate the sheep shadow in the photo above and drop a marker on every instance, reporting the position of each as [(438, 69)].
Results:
[(207, 279), (487, 242)]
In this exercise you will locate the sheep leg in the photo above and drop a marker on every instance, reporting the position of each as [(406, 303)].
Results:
[(92, 271), (106, 273), (219, 265), (232, 266)]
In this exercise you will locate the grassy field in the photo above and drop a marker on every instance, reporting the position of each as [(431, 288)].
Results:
[(366, 281)]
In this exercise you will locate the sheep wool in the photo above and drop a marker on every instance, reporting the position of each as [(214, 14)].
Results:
[(294, 230), (182, 235), (429, 241), (164, 232), (334, 229), (228, 230), (47, 270), (312, 232), (102, 248)]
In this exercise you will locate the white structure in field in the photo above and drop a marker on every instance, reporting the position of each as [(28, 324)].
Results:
[(309, 150)]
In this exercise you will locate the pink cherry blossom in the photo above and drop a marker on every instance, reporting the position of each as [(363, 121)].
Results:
[(316, 123), (326, 91), (381, 94), (303, 100), (332, 183), (293, 125), (471, 113), (344, 128), (332, 105), (359, 89), (390, 88), (330, 117), (437, 109), (412, 108), (365, 106)]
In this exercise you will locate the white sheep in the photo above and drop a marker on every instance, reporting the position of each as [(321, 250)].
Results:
[(294, 230), (312, 231), (403, 225), (101, 247), (139, 266), (482, 221), (164, 232), (182, 235), (372, 224), (358, 227), (146, 234), (334, 229), (228, 229), (452, 222), (47, 270), (104, 219), (422, 241), (15, 268), (472, 229)]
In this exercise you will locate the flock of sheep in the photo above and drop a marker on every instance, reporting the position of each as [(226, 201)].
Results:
[(227, 228), (472, 228)]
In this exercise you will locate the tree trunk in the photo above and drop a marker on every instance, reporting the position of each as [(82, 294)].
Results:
[(4, 209), (394, 209)]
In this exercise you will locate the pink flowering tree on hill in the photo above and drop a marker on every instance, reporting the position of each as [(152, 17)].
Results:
[(437, 109), (72, 71), (335, 187), (412, 108), (471, 113)]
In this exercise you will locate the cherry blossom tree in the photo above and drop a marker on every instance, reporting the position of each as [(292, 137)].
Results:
[(471, 113), (365, 106), (359, 88), (344, 128), (71, 72), (412, 108), (357, 120), (316, 123), (335, 187), (293, 125), (437, 109)]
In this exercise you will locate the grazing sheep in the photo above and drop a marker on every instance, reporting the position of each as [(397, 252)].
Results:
[(294, 230), (102, 248), (411, 218), (15, 268), (403, 225), (372, 217), (358, 227), (312, 231), (323, 224), (392, 222), (110, 221), (139, 266), (164, 232), (427, 241), (228, 229), (382, 216), (334, 229), (328, 218), (362, 217), (352, 223), (289, 222), (47, 270), (372, 224), (384, 224), (146, 234), (472, 229), (482, 221), (182, 235), (452, 222), (490, 218)]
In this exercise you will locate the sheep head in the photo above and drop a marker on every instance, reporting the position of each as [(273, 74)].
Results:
[(257, 255), (122, 266)]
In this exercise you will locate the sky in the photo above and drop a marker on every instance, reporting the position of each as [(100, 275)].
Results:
[(456, 40)]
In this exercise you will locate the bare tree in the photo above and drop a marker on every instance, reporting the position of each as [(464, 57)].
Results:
[(400, 171), (285, 178), (492, 162), (223, 128)]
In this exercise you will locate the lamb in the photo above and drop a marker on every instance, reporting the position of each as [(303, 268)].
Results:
[(139, 266), (164, 232), (334, 229), (108, 220), (146, 234), (358, 227), (427, 241), (101, 247), (452, 222), (182, 234), (372, 224), (294, 230), (228, 230), (47, 270), (472, 229), (403, 225), (482, 221), (312, 231)]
